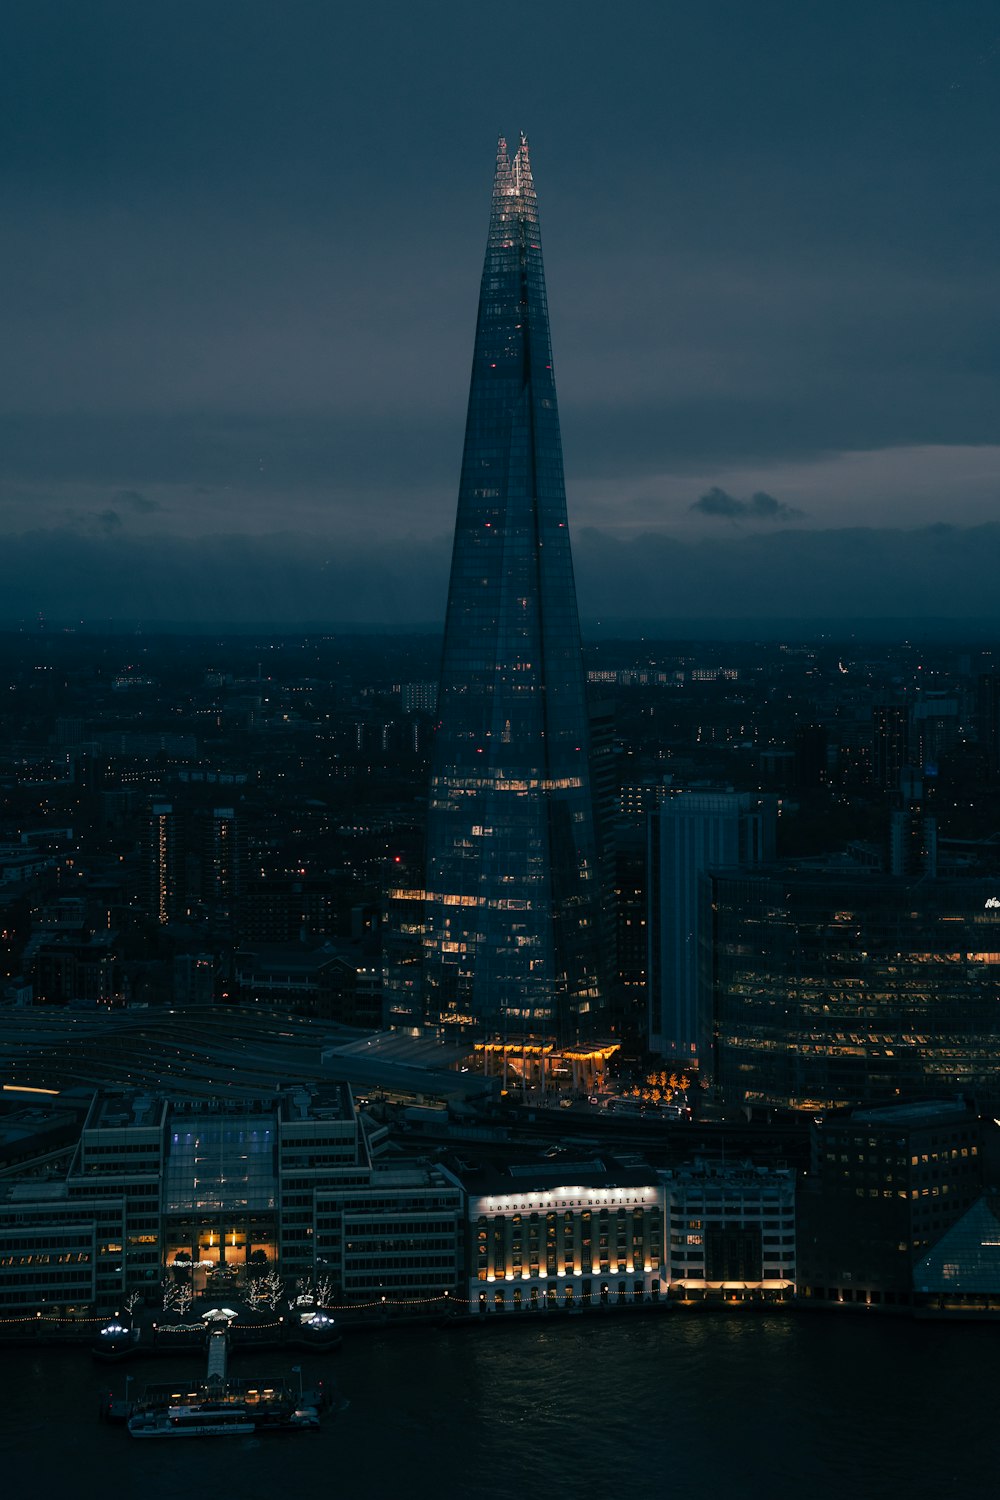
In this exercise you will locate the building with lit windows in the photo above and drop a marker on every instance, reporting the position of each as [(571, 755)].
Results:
[(891, 743), (195, 860), (89, 1232), (513, 931), (561, 1236), (960, 1275), (884, 1187), (165, 855), (837, 985), (688, 834), (56, 1252), (295, 1181), (731, 1232), (631, 925), (222, 857), (398, 1234)]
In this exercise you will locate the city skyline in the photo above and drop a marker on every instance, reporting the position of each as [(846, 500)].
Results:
[(777, 329), (606, 929)]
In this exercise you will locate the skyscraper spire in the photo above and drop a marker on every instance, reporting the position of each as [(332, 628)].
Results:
[(501, 181), (522, 170), (511, 930)]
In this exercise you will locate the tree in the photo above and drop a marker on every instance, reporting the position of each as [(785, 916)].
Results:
[(257, 1291), (317, 1289), (266, 1291)]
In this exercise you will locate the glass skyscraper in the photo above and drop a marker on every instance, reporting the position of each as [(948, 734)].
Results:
[(692, 832), (512, 892), (830, 987)]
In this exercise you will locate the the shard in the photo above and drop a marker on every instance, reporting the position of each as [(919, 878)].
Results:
[(512, 920)]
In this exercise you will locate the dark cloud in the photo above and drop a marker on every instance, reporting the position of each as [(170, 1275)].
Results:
[(143, 504), (209, 449), (225, 278), (760, 507), (87, 522)]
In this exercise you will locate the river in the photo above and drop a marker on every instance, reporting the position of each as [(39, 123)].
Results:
[(692, 1405)]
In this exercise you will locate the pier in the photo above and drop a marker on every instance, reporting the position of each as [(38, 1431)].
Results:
[(218, 1356)]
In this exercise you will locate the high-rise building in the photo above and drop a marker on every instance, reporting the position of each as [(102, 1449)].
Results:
[(512, 930), (912, 830), (165, 862), (891, 743), (631, 919), (195, 860), (840, 985), (691, 833), (884, 1185), (988, 718), (810, 752)]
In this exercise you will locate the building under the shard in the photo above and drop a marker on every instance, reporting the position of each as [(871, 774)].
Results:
[(512, 918)]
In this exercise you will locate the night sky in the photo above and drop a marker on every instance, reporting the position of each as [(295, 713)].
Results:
[(240, 251)]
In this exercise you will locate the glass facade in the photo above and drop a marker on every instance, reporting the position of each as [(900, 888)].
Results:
[(690, 833), (512, 900), (221, 1162), (830, 988), (964, 1266)]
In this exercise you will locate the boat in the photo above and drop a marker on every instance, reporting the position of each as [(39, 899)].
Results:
[(207, 1419), (302, 1419)]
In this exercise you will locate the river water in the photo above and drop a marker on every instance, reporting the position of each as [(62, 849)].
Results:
[(692, 1405)]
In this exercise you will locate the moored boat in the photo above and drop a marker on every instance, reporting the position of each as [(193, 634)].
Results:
[(302, 1419), (204, 1420)]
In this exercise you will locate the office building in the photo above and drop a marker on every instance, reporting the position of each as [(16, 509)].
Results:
[(690, 833), (884, 1186), (294, 1182), (839, 985), (512, 917), (632, 926), (731, 1231), (960, 1275)]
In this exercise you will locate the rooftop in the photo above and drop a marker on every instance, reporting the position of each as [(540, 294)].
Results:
[(562, 1176), (135, 1110), (327, 1101), (908, 1114)]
